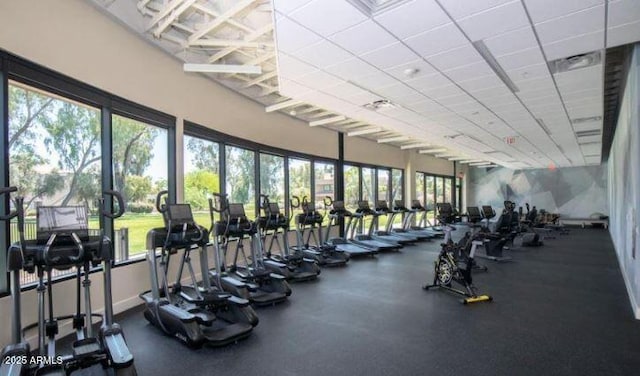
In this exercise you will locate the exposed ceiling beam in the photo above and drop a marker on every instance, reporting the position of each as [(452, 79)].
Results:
[(163, 12), (229, 42), (457, 159), (282, 105), (257, 80), (329, 120), (471, 161), (444, 155), (363, 131), (230, 21), (431, 151), (309, 110), (415, 145), (479, 163), (249, 38), (210, 26), (393, 139), (222, 68), (169, 19), (320, 114)]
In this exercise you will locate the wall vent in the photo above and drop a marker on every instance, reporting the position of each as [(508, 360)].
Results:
[(382, 104), (586, 119), (594, 132), (575, 62)]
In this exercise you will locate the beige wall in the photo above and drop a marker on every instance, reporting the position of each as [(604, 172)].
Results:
[(74, 38), (432, 165)]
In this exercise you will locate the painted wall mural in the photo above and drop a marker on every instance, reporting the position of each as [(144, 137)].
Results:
[(575, 192)]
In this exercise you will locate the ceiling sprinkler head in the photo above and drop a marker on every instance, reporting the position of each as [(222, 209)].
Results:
[(410, 72)]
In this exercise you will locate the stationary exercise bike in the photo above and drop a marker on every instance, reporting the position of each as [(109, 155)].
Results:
[(449, 268)]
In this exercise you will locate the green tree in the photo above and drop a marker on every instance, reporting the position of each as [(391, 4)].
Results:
[(205, 154), (300, 179), (198, 184), (272, 177), (132, 151), (240, 175), (89, 187), (138, 187)]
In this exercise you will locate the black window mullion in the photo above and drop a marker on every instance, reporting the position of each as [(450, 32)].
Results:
[(256, 179), (4, 172), (172, 168), (287, 193), (222, 156), (107, 166), (312, 187)]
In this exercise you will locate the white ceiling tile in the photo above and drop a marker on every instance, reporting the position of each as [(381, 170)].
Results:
[(291, 67), (456, 57), (287, 6), (423, 69), (291, 88), (582, 22), (587, 126), (440, 92), (574, 46), (520, 59), (425, 105), (363, 98), (543, 83), (318, 80), (291, 37), (352, 68), (429, 82), (346, 90), (458, 9), (403, 21), (486, 82), (322, 54), (623, 12), (389, 56), (623, 34), (494, 21), (363, 37), (589, 139), (512, 41), (437, 40), (543, 10), (470, 72), (326, 17), (498, 94), (591, 149), (398, 90), (529, 72), (375, 81), (455, 100)]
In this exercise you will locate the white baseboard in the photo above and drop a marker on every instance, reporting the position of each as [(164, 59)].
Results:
[(632, 299)]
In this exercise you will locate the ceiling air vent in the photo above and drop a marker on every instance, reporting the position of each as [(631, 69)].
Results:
[(594, 132), (382, 104), (575, 62), (586, 119), (374, 7)]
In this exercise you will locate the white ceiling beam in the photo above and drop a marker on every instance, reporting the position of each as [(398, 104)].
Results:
[(431, 151), (222, 68), (415, 145), (350, 123), (320, 114), (210, 26), (479, 163), (470, 161), (362, 132), (229, 43), (282, 105), (171, 17), (487, 165), (444, 155), (257, 80), (163, 12), (457, 159), (249, 38), (329, 120), (392, 139), (230, 21), (309, 110)]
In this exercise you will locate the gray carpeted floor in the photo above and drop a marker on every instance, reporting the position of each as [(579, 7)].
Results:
[(561, 309)]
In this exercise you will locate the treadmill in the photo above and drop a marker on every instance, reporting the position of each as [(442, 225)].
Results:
[(336, 214), (368, 240), (382, 208), (407, 228), (423, 222)]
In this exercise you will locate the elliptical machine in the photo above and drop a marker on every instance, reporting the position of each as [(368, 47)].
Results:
[(311, 219), (62, 242), (494, 243), (196, 314), (293, 266), (251, 281)]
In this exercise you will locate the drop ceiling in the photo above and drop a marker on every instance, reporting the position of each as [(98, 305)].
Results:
[(471, 77)]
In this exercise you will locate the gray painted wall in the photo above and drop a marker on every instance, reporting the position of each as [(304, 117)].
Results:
[(624, 184), (575, 192)]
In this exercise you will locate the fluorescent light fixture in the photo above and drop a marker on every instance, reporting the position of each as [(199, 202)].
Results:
[(431, 151), (495, 66), (393, 139), (414, 145), (363, 131), (328, 120), (282, 105), (222, 68)]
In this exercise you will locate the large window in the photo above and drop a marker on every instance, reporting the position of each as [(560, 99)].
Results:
[(369, 185), (397, 191), (54, 155), (240, 179), (201, 176), (139, 172), (272, 178), (299, 182), (324, 184), (351, 187), (383, 185), (420, 187), (439, 190)]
